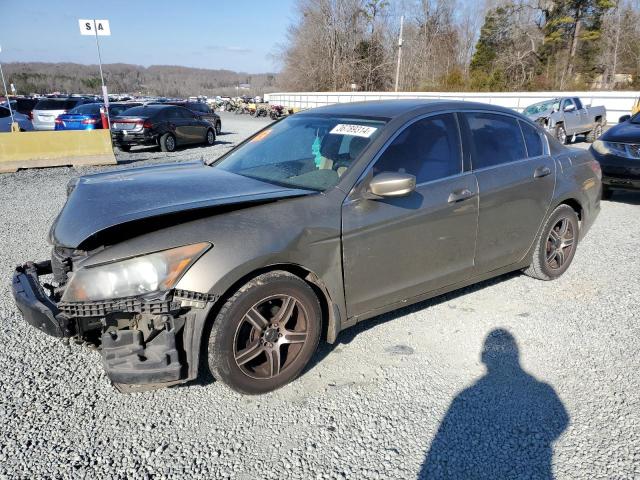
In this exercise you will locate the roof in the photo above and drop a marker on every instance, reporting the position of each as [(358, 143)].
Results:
[(395, 108)]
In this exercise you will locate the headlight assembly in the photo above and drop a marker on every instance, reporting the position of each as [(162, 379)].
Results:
[(155, 272), (625, 150)]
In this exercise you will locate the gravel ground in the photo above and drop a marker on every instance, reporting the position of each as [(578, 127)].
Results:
[(406, 395)]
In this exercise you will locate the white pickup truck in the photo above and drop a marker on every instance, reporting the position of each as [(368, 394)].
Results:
[(567, 117)]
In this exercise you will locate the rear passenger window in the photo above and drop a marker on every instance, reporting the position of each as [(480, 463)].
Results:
[(496, 139), (428, 149), (532, 139)]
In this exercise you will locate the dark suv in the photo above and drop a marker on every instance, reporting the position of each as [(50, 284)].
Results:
[(167, 126)]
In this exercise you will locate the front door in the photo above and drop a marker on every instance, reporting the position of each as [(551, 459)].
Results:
[(572, 118), (397, 248), (516, 179)]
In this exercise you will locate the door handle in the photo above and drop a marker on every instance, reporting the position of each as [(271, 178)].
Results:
[(541, 172), (460, 195)]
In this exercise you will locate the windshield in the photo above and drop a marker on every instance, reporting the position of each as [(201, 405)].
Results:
[(88, 108), (542, 107), (303, 151)]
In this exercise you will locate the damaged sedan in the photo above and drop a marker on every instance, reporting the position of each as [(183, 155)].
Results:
[(315, 223)]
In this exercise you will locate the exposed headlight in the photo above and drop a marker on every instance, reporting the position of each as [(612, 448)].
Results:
[(155, 272), (626, 150)]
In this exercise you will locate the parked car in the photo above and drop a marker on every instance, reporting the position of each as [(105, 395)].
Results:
[(567, 117), (88, 117), (618, 152), (24, 105), (315, 223), (48, 109), (5, 120), (204, 111), (167, 126)]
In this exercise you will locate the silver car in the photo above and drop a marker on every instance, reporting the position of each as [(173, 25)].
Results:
[(47, 110), (5, 120)]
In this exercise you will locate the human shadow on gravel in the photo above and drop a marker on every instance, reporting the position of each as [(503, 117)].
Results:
[(503, 426)]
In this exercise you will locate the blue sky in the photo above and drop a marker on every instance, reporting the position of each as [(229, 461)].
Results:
[(237, 35)]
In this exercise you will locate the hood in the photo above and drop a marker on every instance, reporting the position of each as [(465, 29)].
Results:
[(106, 200), (625, 132), (535, 116)]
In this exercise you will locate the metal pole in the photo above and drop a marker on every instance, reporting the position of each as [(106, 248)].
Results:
[(95, 32), (399, 53), (6, 94)]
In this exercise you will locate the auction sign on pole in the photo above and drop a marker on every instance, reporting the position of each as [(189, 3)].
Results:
[(98, 28)]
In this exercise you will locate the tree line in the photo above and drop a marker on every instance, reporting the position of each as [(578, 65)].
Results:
[(169, 81), (450, 45)]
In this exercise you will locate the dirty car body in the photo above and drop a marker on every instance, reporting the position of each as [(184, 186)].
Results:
[(148, 262)]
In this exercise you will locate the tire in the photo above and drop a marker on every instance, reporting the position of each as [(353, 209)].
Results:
[(168, 143), (210, 137), (561, 135), (254, 360), (124, 148), (554, 252), (593, 135), (607, 193), (218, 128)]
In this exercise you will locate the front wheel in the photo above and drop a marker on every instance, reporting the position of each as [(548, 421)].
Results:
[(265, 333), (561, 135), (556, 245)]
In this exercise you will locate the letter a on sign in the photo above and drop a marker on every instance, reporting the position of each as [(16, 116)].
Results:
[(101, 27)]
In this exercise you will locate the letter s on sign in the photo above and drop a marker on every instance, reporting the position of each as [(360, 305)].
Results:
[(87, 26)]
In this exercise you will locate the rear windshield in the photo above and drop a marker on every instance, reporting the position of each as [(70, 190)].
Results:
[(55, 104), (118, 109), (89, 108), (139, 112), (636, 118)]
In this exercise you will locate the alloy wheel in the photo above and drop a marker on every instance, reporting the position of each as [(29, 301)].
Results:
[(560, 243), (270, 336), (170, 143)]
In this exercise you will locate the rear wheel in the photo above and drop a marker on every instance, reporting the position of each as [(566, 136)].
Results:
[(607, 193), (218, 128), (593, 135), (265, 333), (210, 139), (124, 148), (167, 143), (556, 245)]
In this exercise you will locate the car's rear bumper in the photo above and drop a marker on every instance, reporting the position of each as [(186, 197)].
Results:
[(133, 138), (37, 308)]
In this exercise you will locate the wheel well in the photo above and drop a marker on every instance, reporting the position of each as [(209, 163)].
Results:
[(573, 203), (306, 275)]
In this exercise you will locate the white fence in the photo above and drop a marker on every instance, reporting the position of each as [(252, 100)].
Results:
[(617, 103)]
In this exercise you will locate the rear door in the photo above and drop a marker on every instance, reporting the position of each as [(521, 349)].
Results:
[(399, 248), (178, 125), (516, 179)]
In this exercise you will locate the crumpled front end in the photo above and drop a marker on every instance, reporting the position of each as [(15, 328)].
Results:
[(146, 341)]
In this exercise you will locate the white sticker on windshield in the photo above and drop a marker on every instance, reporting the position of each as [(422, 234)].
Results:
[(355, 130)]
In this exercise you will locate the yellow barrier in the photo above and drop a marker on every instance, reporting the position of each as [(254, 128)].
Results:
[(55, 148)]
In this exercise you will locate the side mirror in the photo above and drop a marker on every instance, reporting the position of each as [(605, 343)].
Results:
[(569, 108), (624, 118), (391, 184)]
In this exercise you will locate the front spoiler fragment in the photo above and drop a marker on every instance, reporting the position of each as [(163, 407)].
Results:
[(35, 305)]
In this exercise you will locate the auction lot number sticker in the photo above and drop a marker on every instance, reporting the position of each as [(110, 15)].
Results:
[(355, 130)]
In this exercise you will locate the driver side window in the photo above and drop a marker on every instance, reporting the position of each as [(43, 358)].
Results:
[(429, 149)]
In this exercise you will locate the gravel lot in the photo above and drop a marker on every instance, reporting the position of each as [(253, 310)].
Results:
[(371, 406)]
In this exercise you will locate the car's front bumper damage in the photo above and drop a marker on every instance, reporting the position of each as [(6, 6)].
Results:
[(146, 342)]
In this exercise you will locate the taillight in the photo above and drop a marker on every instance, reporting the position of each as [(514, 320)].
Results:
[(90, 121), (147, 124), (30, 115), (58, 121)]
